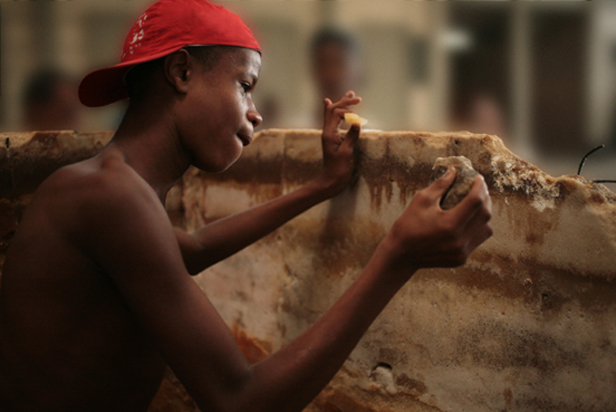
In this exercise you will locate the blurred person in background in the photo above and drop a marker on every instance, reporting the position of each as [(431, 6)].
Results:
[(336, 69), (50, 101), (335, 62), (478, 112)]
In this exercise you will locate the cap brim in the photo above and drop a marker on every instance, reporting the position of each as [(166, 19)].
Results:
[(106, 86)]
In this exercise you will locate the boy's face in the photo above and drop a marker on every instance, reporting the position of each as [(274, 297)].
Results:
[(217, 114)]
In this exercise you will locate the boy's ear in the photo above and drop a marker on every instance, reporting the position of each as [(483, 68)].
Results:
[(178, 69)]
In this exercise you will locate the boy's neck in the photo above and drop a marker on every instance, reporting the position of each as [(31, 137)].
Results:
[(149, 142)]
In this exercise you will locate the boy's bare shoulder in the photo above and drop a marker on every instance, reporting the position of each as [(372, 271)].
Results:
[(100, 176), (98, 191)]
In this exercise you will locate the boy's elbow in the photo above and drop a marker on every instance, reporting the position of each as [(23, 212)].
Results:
[(196, 266), (239, 393), (194, 270)]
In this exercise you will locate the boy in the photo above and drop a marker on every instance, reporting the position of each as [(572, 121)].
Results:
[(96, 296)]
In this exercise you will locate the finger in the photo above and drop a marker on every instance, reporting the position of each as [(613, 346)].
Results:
[(352, 101), (348, 100), (351, 137), (333, 121), (439, 187), (476, 200), (334, 115), (350, 94), (340, 112), (344, 104), (480, 219), (326, 105)]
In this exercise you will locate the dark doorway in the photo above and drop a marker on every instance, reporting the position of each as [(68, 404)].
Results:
[(558, 75), (481, 70)]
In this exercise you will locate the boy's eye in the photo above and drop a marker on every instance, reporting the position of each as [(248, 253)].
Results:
[(246, 86)]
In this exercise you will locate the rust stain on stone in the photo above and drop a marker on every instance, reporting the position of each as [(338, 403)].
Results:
[(339, 401), (594, 294), (494, 345), (301, 171), (414, 386), (338, 245), (381, 174), (254, 350), (341, 395), (535, 284), (508, 396)]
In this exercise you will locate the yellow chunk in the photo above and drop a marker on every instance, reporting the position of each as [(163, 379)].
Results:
[(352, 118)]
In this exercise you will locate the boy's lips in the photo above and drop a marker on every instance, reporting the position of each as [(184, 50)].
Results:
[(246, 139)]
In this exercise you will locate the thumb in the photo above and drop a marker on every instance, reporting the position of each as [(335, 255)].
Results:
[(352, 135), (440, 186)]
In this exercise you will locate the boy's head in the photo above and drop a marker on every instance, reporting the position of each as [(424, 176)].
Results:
[(211, 107), (164, 28), (139, 79)]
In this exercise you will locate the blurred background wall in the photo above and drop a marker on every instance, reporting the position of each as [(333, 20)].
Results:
[(541, 75)]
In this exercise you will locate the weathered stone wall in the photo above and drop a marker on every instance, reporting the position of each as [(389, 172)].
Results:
[(528, 324)]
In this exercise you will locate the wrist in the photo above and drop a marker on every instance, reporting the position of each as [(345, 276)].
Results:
[(393, 259), (324, 188), (313, 193)]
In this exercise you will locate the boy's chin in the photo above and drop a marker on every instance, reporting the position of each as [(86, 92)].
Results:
[(215, 168)]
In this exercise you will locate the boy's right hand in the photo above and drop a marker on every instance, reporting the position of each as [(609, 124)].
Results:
[(338, 147), (427, 236)]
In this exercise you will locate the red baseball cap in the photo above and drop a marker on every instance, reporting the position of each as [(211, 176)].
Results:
[(164, 28)]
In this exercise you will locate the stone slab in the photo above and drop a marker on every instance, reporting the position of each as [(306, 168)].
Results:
[(528, 324)]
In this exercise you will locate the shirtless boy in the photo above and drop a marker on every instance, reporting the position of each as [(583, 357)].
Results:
[(96, 293)]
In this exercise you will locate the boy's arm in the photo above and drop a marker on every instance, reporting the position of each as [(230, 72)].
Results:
[(424, 236), (229, 235), (134, 245)]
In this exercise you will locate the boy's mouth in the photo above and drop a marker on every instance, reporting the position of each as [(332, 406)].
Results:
[(246, 139)]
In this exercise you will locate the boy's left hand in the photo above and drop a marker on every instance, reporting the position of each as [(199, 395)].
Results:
[(338, 150)]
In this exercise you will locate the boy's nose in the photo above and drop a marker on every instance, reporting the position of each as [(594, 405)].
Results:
[(254, 117)]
